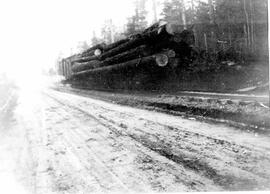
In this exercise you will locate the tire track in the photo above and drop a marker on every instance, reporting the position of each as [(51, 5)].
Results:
[(244, 154), (224, 180), (72, 141), (185, 136), (195, 185), (229, 182), (172, 128), (220, 180), (62, 167)]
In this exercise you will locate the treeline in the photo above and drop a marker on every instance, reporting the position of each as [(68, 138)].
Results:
[(224, 29)]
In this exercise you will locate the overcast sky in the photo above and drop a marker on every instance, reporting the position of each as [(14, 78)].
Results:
[(33, 32)]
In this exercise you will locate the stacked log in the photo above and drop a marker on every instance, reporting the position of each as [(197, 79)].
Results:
[(91, 50), (160, 44), (160, 59)]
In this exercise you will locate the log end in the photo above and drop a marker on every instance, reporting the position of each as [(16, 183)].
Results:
[(171, 53), (97, 52), (161, 60)]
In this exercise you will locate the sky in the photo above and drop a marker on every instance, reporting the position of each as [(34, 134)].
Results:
[(34, 32)]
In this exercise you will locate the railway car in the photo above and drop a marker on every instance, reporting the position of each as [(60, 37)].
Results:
[(64, 66)]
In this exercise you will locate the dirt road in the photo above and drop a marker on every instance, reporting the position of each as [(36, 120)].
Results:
[(63, 143)]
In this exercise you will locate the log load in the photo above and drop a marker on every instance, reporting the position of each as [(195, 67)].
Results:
[(158, 46), (115, 44), (148, 38), (77, 67), (159, 35), (93, 52), (100, 48), (85, 59), (91, 62), (141, 51), (158, 32), (161, 59), (92, 49), (128, 64)]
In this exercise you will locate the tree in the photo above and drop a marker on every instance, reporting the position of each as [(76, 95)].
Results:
[(137, 22), (108, 31), (223, 25), (171, 11), (243, 13), (82, 46), (95, 40), (118, 36), (131, 26), (211, 11), (174, 11), (202, 13), (154, 8)]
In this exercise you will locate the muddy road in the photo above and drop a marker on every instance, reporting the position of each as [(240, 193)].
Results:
[(55, 142)]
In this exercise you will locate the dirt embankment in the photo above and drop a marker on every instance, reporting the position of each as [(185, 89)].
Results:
[(246, 114)]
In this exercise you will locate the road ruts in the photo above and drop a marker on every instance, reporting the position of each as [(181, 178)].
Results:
[(125, 160), (221, 161)]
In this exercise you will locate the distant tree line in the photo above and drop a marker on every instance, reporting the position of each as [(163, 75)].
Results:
[(224, 29)]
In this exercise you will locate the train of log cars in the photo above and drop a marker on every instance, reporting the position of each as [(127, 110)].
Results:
[(160, 44)]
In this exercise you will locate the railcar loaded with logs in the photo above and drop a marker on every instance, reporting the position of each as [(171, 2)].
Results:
[(129, 61)]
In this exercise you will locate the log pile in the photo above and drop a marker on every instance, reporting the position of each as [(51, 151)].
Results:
[(141, 61), (159, 46)]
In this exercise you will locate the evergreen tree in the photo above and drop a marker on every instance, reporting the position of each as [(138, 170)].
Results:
[(171, 11), (137, 22), (82, 46), (181, 12), (107, 31), (95, 40), (202, 15)]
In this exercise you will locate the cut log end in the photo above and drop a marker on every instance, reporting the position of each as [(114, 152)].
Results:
[(171, 53), (97, 52), (161, 60)]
